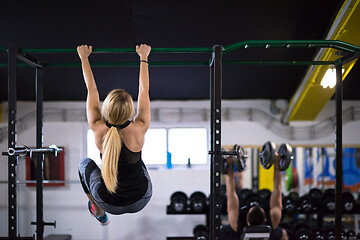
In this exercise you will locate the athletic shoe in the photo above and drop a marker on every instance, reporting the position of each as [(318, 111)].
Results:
[(103, 219)]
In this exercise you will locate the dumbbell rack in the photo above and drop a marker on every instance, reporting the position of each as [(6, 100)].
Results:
[(321, 214), (187, 211)]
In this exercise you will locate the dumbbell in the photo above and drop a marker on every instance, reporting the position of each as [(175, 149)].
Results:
[(290, 202), (264, 194), (330, 234), (201, 232), (242, 194), (236, 158), (351, 235), (253, 199), (267, 155), (178, 202), (318, 234), (305, 204), (198, 202), (328, 201), (302, 231), (315, 196), (349, 203)]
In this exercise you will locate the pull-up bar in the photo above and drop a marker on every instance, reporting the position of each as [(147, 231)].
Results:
[(115, 50), (192, 63), (266, 44), (228, 49), (292, 44)]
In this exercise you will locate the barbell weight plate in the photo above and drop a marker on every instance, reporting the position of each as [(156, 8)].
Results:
[(239, 158), (267, 155), (295, 178), (289, 179), (286, 156)]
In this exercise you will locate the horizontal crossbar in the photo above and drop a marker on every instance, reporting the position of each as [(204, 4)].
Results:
[(116, 50)]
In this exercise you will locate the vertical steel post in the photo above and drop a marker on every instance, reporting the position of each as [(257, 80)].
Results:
[(215, 95), (12, 162), (212, 148), (39, 156), (338, 147)]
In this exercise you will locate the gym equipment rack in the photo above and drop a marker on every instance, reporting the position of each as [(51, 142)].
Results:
[(216, 62)]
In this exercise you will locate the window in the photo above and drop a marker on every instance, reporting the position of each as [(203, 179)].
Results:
[(188, 143), (92, 150), (182, 143), (154, 150)]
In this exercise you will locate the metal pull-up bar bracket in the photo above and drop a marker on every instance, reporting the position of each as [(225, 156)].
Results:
[(24, 150)]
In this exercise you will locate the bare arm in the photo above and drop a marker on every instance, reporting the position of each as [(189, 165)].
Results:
[(275, 199), (232, 200), (143, 104), (92, 101)]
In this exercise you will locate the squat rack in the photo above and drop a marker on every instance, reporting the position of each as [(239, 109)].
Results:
[(215, 64)]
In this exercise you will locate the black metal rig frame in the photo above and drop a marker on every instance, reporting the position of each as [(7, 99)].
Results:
[(13, 55), (216, 63)]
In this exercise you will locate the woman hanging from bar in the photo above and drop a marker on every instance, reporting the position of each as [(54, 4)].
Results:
[(122, 185)]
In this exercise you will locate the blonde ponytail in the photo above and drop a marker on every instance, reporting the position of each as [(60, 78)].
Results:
[(111, 152), (117, 108)]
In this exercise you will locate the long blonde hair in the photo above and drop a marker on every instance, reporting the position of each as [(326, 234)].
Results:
[(117, 108)]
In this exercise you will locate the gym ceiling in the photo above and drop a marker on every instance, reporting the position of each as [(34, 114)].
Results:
[(181, 24)]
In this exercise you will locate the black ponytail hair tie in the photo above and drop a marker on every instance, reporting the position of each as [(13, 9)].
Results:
[(121, 126)]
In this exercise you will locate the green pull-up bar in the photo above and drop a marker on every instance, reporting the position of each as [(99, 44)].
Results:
[(353, 49), (179, 64), (227, 49), (115, 50), (128, 64), (292, 44)]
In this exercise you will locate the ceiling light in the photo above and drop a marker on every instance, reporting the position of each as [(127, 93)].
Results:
[(329, 79)]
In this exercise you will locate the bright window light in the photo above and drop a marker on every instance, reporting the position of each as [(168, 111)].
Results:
[(329, 79), (92, 151), (185, 143), (154, 150)]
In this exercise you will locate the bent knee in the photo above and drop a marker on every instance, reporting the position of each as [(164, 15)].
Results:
[(83, 163)]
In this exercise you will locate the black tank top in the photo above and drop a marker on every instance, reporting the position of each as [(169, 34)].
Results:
[(132, 183)]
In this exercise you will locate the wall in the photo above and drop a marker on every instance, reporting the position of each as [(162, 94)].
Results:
[(68, 205)]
